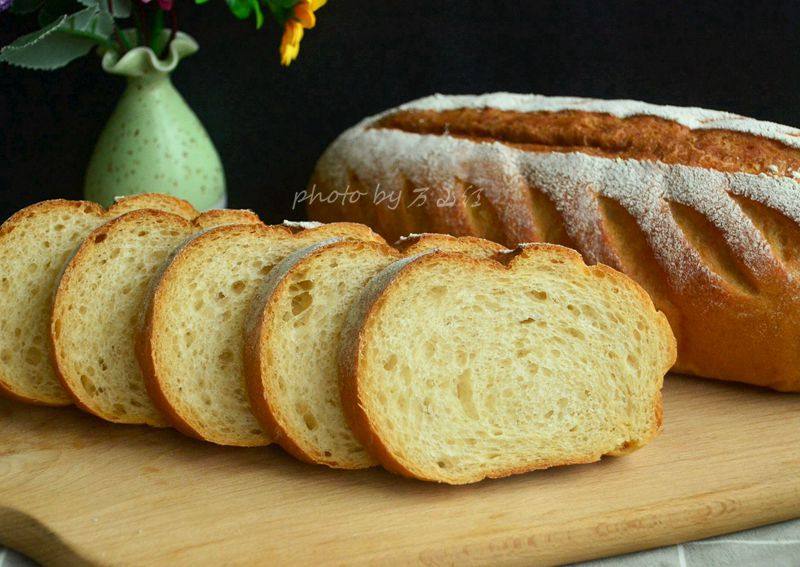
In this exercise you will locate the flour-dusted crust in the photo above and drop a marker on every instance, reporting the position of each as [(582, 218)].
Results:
[(691, 117), (361, 323), (296, 226), (715, 247)]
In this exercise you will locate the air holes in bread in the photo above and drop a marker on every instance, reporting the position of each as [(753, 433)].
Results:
[(538, 294), (301, 302)]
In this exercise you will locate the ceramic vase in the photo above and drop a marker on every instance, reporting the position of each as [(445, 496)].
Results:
[(153, 142)]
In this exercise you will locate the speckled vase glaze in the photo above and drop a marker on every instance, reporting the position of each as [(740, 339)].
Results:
[(153, 142)]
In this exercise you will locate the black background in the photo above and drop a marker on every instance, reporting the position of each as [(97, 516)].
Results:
[(270, 124)]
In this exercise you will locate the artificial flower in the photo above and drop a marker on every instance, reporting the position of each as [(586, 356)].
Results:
[(302, 17), (165, 5), (290, 42)]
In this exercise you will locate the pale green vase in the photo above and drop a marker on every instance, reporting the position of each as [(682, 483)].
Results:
[(153, 142)]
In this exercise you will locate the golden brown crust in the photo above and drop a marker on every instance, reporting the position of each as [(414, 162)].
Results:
[(217, 217), (677, 209), (43, 206), (362, 321), (147, 340), (8, 389), (157, 201), (74, 265), (262, 315), (259, 394), (416, 243), (649, 138), (147, 349)]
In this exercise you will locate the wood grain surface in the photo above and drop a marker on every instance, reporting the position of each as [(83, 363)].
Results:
[(76, 490)]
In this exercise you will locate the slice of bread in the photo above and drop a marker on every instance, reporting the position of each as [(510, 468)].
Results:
[(98, 303), (454, 369), (291, 348), (156, 201), (220, 217), (470, 245), (190, 347), (35, 244)]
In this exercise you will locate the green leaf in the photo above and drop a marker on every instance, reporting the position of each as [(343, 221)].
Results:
[(198, 2), (45, 49), (22, 7), (259, 15), (122, 8), (239, 8), (90, 20), (61, 41)]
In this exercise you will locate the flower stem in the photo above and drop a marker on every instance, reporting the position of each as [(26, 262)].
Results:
[(100, 40), (122, 41), (173, 24), (155, 32), (140, 18)]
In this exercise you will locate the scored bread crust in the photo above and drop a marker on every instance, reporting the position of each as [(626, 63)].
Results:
[(261, 315), (361, 320), (147, 339), (709, 229)]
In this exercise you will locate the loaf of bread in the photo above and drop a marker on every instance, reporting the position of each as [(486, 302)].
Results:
[(190, 348), (35, 244), (529, 362), (99, 302), (702, 208)]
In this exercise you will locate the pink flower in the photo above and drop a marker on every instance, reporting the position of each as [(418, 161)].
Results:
[(165, 5)]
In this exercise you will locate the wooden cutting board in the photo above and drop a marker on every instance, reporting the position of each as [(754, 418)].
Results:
[(74, 489)]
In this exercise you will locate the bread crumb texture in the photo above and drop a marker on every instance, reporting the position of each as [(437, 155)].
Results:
[(470, 369), (299, 347), (196, 339), (98, 308), (34, 246)]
